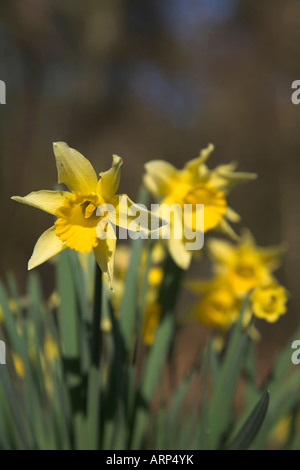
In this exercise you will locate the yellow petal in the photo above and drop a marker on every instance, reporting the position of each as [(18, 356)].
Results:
[(224, 227), (224, 177), (130, 216), (110, 180), (232, 215), (105, 252), (48, 201), (181, 256), (159, 177), (193, 165), (47, 246), (74, 169)]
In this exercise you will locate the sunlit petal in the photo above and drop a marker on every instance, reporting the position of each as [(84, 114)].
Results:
[(48, 201), (105, 252), (159, 177), (47, 246), (74, 169), (110, 179)]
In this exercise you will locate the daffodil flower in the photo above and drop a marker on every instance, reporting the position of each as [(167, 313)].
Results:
[(245, 265), (269, 302), (218, 307), (79, 225), (194, 185)]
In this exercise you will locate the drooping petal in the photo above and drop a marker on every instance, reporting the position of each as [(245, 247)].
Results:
[(131, 216), (105, 253), (47, 246), (48, 201), (159, 177), (74, 169), (110, 179), (181, 256)]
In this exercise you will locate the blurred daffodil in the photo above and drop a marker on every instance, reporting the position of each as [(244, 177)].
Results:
[(150, 322), (218, 306), (18, 365), (245, 265), (269, 302), (51, 349), (195, 184), (79, 225)]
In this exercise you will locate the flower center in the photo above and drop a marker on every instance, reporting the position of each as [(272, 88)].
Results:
[(77, 222), (270, 303), (245, 270), (214, 205)]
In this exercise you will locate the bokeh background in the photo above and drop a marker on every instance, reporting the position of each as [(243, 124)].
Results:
[(154, 79)]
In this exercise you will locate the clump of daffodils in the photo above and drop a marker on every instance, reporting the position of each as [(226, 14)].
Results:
[(240, 269)]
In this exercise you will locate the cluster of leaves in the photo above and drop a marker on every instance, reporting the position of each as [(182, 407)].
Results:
[(99, 393)]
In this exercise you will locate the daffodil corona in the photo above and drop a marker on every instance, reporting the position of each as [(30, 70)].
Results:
[(269, 302), (79, 224)]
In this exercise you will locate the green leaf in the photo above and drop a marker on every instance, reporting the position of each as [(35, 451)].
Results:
[(67, 310), (176, 405), (222, 400), (152, 370), (93, 402), (252, 426), (285, 397), (203, 433), (129, 305)]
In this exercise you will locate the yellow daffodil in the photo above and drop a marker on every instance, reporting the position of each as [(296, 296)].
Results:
[(150, 322), (51, 349), (218, 306), (269, 302), (18, 365), (245, 265), (78, 225), (194, 184)]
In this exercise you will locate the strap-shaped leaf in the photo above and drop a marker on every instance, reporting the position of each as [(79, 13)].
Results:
[(252, 425)]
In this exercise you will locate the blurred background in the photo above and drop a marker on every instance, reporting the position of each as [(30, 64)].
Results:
[(154, 79)]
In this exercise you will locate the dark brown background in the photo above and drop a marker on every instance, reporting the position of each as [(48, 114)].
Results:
[(154, 79)]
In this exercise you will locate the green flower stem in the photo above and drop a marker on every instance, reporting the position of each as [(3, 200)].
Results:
[(96, 334)]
